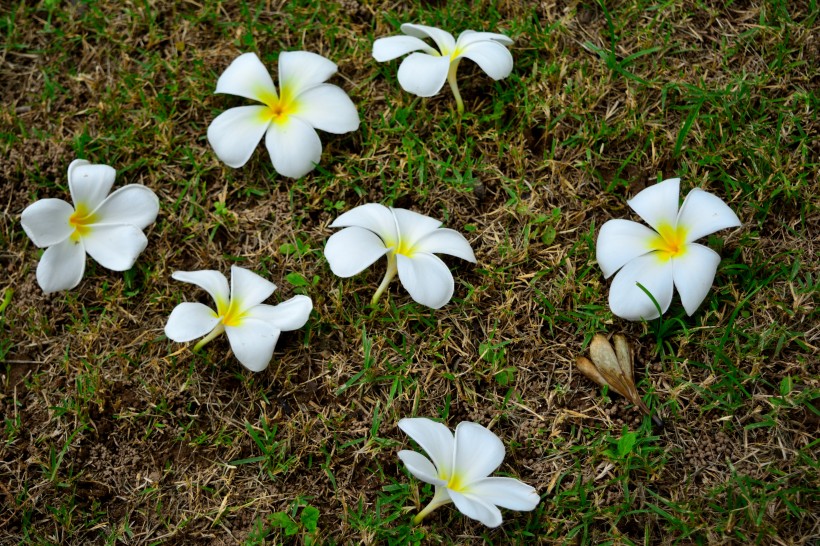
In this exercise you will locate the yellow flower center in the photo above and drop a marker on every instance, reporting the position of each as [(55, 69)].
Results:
[(404, 249), (230, 314), (447, 52), (454, 483), (670, 242), (280, 108), (81, 220)]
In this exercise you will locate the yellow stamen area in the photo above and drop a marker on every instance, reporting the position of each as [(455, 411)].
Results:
[(670, 242), (404, 249), (279, 108), (230, 313), (454, 483), (447, 52), (81, 220), (400, 247)]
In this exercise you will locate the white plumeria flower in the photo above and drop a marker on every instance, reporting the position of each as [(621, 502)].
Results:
[(252, 327), (289, 119), (460, 468), (108, 227), (423, 74), (665, 256), (410, 241)]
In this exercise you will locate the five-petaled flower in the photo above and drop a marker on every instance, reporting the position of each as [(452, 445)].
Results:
[(664, 256), (252, 327), (423, 74), (287, 119), (108, 228), (460, 470), (409, 239)]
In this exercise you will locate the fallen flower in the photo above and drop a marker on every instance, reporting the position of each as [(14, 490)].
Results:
[(667, 256), (423, 74), (614, 369), (107, 227), (410, 241), (288, 120), (460, 470), (252, 327)]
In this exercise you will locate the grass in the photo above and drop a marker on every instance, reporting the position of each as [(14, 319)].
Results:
[(113, 434)]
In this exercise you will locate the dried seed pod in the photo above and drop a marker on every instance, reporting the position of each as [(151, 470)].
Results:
[(608, 366), (626, 356), (614, 368), (588, 369)]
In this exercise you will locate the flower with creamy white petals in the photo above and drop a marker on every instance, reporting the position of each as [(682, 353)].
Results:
[(425, 70), (664, 256), (107, 227), (410, 241), (252, 327), (460, 466), (288, 119)]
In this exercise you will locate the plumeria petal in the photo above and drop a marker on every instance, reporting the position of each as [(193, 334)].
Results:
[(477, 452), (252, 343), (475, 508), (115, 246), (621, 241), (133, 204), (294, 147), (420, 467), (443, 39), (235, 133), (703, 213), (328, 108), (434, 438), (213, 282), (469, 37), (61, 267), (506, 493), (446, 241), (302, 70), (693, 273), (426, 278), (658, 204), (352, 250), (440, 497), (387, 49), (423, 75), (628, 301), (289, 315), (249, 289), (414, 226), (46, 221), (247, 77), (89, 184), (189, 321), (493, 58), (373, 216)]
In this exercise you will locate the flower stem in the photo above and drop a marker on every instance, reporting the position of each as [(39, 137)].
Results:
[(207, 339), (451, 79), (440, 498), (392, 269)]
